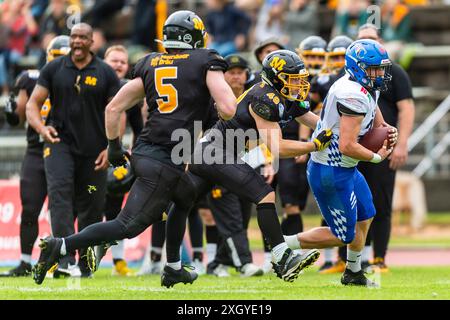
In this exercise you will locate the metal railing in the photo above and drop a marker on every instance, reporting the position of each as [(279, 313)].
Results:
[(428, 131)]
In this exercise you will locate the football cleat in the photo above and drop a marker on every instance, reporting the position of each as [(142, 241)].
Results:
[(50, 253), (327, 265), (337, 267), (22, 270), (379, 265), (356, 279), (171, 277), (251, 270), (120, 268), (221, 271), (199, 267), (291, 264)]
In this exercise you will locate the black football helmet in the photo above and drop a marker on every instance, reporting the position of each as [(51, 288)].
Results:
[(285, 72), (336, 52), (313, 51), (119, 180), (59, 46), (184, 30)]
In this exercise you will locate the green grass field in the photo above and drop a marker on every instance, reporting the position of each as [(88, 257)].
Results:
[(399, 283)]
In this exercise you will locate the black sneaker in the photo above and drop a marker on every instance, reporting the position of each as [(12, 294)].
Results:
[(22, 270), (171, 277), (356, 279), (50, 253)]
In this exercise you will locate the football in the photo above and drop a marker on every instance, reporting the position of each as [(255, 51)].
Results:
[(374, 138)]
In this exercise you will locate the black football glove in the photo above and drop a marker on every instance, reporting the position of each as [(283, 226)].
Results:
[(323, 140), (10, 111), (117, 155)]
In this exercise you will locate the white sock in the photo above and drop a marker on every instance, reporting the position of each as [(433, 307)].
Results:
[(292, 242), (175, 265), (277, 251), (211, 249), (267, 257), (366, 253), (62, 251), (118, 250), (353, 260), (25, 258), (328, 252)]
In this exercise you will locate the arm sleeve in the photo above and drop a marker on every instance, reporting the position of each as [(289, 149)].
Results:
[(215, 62), (401, 84), (138, 70), (45, 76)]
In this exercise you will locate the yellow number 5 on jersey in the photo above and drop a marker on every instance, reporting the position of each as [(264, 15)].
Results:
[(169, 95)]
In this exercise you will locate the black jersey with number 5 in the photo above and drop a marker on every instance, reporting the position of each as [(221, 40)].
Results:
[(176, 91)]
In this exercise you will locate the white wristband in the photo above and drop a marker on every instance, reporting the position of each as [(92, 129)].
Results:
[(376, 158)]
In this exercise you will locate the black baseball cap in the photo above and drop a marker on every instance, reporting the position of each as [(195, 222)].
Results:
[(236, 61)]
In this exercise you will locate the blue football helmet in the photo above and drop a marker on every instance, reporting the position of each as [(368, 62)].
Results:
[(364, 54)]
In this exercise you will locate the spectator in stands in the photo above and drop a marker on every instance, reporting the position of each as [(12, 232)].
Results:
[(301, 21), (20, 25), (351, 14), (397, 107), (3, 69), (100, 44), (102, 10), (148, 23), (395, 26), (227, 26), (54, 19), (269, 22)]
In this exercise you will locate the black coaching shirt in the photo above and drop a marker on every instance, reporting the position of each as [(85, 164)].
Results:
[(398, 89), (78, 98)]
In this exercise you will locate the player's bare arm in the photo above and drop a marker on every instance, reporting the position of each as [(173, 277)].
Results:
[(309, 119), (272, 137), (348, 141), (33, 108), (21, 102), (128, 96), (221, 93)]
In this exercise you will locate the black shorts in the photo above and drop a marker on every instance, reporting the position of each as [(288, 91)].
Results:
[(292, 182)]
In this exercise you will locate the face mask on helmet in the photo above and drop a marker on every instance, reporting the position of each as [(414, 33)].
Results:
[(314, 60), (295, 86), (59, 46), (379, 76), (368, 63), (335, 60)]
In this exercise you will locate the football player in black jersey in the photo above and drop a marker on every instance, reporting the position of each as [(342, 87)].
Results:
[(265, 108), (177, 86), (33, 186)]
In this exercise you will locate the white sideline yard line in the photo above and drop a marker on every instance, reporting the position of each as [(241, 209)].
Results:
[(130, 288)]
